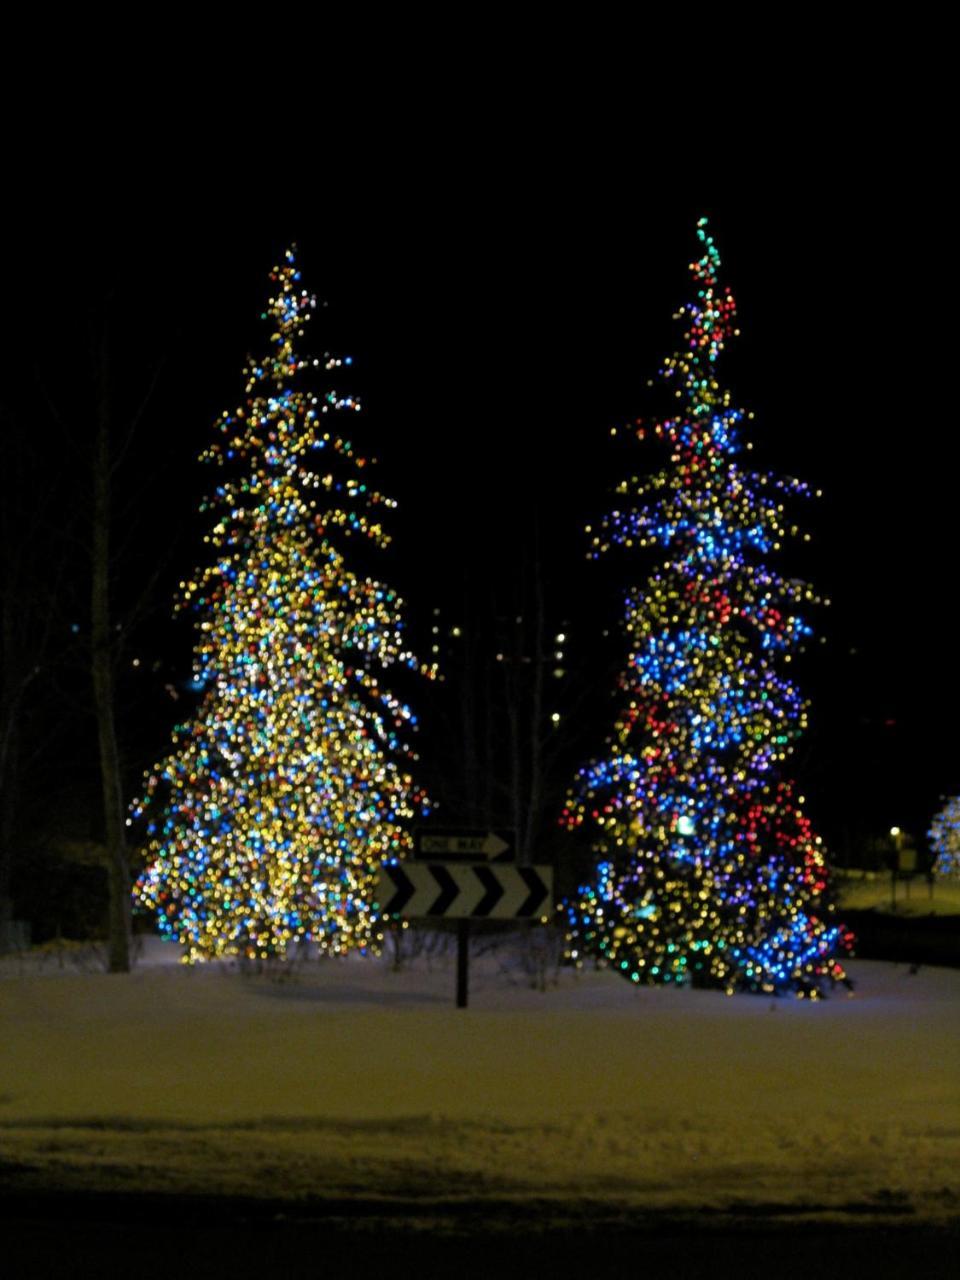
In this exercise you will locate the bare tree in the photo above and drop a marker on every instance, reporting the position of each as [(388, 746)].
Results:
[(30, 569), (102, 675), (503, 760), (113, 436)]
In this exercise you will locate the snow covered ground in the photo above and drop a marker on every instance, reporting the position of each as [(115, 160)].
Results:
[(350, 1080), (872, 890)]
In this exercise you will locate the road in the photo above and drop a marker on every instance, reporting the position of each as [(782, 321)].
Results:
[(154, 1236)]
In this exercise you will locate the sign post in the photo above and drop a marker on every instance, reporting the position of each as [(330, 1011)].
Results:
[(463, 961), (464, 892)]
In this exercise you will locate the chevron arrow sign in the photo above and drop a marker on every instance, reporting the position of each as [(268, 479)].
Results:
[(458, 891)]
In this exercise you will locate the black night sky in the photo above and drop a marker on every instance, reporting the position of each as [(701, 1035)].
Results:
[(501, 322)]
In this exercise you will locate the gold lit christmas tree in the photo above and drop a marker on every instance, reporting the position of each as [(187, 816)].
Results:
[(289, 787)]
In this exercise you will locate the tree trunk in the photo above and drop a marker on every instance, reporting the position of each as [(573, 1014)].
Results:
[(488, 761), (540, 657), (8, 772), (119, 949), (514, 688), (13, 683), (469, 719), (8, 794)]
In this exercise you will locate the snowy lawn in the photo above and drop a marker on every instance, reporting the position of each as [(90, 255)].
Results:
[(354, 1081), (871, 890)]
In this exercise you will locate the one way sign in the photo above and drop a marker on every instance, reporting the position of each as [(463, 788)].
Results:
[(482, 845), (425, 889)]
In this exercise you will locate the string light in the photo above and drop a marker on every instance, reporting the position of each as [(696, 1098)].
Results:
[(290, 786), (708, 870)]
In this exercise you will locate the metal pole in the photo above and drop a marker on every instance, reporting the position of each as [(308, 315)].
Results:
[(463, 957)]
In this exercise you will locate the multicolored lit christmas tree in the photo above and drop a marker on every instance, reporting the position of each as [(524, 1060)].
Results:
[(289, 787), (708, 871), (944, 837)]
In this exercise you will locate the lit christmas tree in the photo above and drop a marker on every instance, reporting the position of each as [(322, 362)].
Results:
[(944, 837), (288, 789), (708, 871)]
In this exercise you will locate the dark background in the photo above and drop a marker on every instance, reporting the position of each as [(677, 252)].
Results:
[(502, 318)]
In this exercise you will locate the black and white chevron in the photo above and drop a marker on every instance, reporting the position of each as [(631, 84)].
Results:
[(459, 891)]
